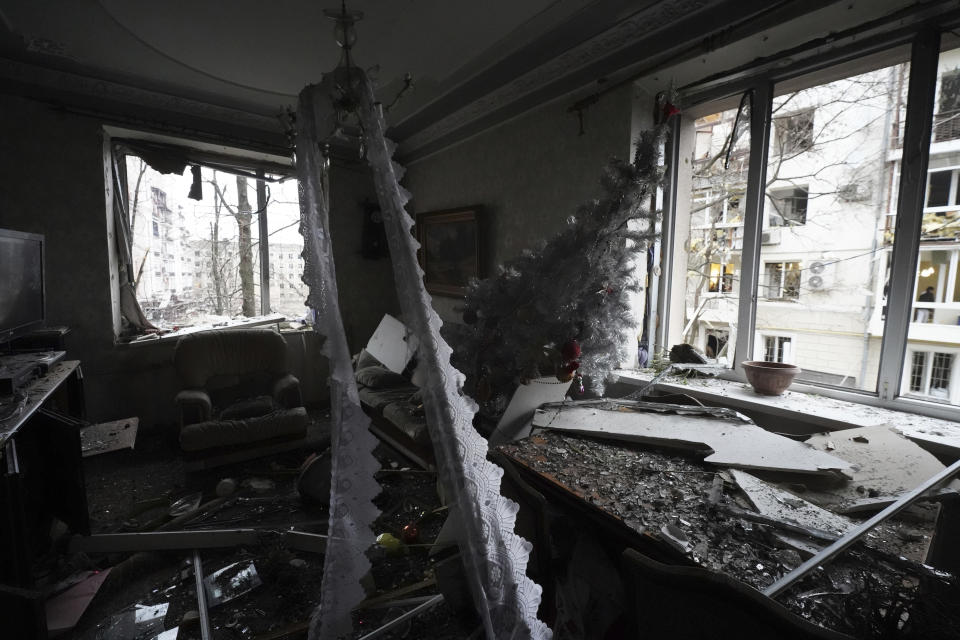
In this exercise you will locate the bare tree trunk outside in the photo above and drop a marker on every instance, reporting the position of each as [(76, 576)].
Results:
[(215, 271), (133, 221), (244, 215), (136, 197)]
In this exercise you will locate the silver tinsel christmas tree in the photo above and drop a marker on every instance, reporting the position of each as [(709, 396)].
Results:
[(562, 309)]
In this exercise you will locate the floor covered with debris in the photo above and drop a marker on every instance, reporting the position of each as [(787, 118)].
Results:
[(628, 524), (259, 591)]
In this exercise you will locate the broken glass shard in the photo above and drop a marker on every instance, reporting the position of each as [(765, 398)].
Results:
[(230, 582)]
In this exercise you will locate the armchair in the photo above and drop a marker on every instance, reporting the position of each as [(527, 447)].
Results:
[(236, 390)]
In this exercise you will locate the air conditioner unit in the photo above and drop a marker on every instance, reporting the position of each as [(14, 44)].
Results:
[(770, 237), (819, 275), (854, 192)]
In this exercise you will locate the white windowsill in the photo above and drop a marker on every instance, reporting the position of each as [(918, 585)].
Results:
[(803, 403), (173, 336)]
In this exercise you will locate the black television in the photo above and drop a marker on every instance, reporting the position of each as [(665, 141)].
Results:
[(22, 305)]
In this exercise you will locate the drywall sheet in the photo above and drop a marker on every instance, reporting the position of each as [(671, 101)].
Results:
[(936, 435), (775, 503), (515, 422), (727, 443), (392, 344), (109, 436), (885, 463)]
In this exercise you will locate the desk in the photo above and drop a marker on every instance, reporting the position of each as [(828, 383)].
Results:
[(41, 477)]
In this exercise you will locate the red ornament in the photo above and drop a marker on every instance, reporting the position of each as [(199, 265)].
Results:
[(669, 110), (566, 372), (410, 533), (570, 350)]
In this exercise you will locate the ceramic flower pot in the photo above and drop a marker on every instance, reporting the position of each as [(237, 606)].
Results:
[(769, 378)]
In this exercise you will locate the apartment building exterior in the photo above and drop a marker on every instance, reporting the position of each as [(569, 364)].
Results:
[(827, 232)]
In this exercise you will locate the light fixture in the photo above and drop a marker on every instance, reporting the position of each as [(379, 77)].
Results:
[(926, 273)]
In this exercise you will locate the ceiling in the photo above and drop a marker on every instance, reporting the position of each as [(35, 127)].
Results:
[(229, 67)]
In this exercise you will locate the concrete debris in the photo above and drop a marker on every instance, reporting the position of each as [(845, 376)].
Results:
[(727, 442)]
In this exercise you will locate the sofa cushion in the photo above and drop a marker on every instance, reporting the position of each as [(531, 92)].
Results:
[(232, 355), (290, 423), (380, 378), (248, 408), (405, 418), (379, 398)]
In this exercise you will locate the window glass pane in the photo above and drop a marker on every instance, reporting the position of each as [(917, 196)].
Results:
[(917, 367), (288, 293), (195, 261), (710, 225), (935, 316), (938, 188), (826, 227)]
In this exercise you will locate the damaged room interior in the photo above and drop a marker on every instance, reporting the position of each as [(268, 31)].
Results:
[(570, 319)]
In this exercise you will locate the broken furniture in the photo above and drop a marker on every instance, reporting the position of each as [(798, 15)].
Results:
[(680, 511), (238, 394), (41, 478)]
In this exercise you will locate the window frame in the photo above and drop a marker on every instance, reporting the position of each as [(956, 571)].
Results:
[(930, 355), (782, 125), (908, 187), (256, 165), (761, 346), (779, 194), (781, 285)]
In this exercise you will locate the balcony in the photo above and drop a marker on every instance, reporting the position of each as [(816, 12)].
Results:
[(946, 125), (935, 322)]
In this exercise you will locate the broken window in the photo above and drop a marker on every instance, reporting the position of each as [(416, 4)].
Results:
[(787, 206), (794, 133), (213, 216), (826, 225)]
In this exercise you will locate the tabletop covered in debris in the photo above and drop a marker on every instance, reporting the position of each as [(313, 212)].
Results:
[(755, 529)]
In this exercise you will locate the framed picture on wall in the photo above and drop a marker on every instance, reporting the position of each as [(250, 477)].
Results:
[(449, 249)]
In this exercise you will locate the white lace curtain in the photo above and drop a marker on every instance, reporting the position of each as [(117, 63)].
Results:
[(495, 557)]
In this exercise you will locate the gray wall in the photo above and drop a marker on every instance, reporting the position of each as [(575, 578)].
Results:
[(528, 174), (52, 183), (365, 285)]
